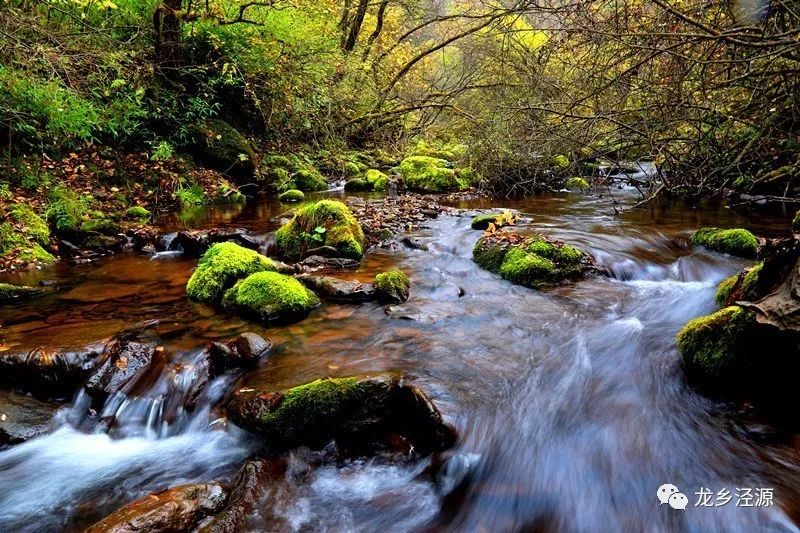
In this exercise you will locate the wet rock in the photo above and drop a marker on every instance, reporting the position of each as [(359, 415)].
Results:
[(339, 290), (11, 293), (392, 286), (317, 262), (324, 251), (362, 414), (195, 242), (414, 243), (48, 373), (175, 510), (244, 351), (23, 418), (121, 363), (253, 479)]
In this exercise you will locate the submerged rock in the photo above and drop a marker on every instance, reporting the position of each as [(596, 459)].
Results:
[(221, 267), (339, 290), (10, 293), (530, 260), (362, 414), (121, 363), (244, 351), (738, 242), (316, 262), (270, 297), (323, 223), (392, 286), (23, 418), (48, 374), (175, 510)]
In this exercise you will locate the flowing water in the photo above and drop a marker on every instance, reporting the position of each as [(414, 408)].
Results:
[(570, 403)]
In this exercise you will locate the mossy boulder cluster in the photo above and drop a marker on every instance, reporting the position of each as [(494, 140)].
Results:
[(738, 242), (392, 286), (371, 180), (325, 223), (294, 171), (529, 260), (358, 413), (431, 174), (220, 267), (220, 146), (25, 234)]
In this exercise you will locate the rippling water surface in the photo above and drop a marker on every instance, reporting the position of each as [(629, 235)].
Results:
[(570, 402)]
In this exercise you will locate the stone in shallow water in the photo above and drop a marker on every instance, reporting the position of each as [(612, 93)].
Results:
[(175, 510), (122, 362), (48, 372), (362, 414), (23, 418), (339, 290)]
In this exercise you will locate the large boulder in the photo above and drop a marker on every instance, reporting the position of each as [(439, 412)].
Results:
[(23, 418), (175, 510), (531, 260), (430, 174), (362, 414), (121, 363), (220, 267), (323, 223), (738, 242), (392, 286), (338, 290), (270, 297), (48, 373), (220, 146)]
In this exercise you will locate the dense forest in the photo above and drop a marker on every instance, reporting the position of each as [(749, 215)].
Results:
[(401, 265)]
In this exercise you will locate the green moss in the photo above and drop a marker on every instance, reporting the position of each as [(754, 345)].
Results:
[(392, 286), (430, 174), (103, 226), (489, 254), (578, 184), (32, 225), (525, 268), (796, 222), (270, 296), (750, 286), (294, 172), (65, 211), (441, 150), (228, 194), (717, 345), (376, 179), (327, 222), (220, 145), (10, 292), (220, 267), (190, 196), (100, 242), (310, 180), (352, 169), (739, 242), (292, 195), (561, 161), (137, 212), (725, 289), (481, 222), (357, 184)]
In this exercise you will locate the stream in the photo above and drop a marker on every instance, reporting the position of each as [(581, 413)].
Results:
[(570, 402)]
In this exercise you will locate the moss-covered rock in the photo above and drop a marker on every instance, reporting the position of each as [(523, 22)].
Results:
[(102, 226), (30, 223), (796, 222), (352, 169), (439, 149), (220, 267), (361, 414), (739, 242), (725, 289), (392, 286), (292, 195), (530, 260), (221, 146), (377, 179), (357, 185), (745, 286), (270, 297), (9, 292), (577, 184), (718, 345), (430, 174), (323, 223), (137, 212), (561, 162), (481, 222), (294, 171), (24, 234)]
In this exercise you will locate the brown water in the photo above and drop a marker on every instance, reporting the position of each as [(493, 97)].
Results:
[(570, 403)]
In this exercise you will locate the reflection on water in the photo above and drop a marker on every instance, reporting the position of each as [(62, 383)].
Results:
[(570, 402)]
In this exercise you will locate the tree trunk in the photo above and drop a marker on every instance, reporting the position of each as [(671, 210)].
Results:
[(167, 26), (355, 26)]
